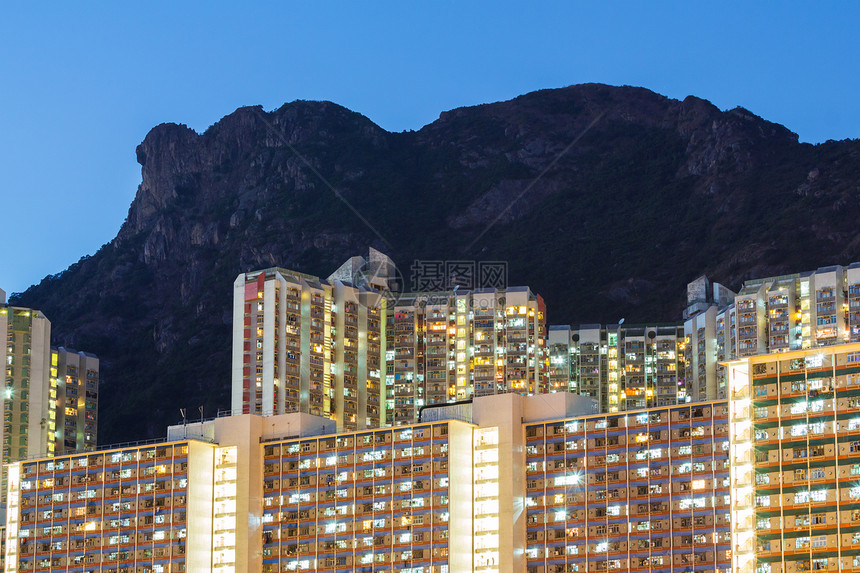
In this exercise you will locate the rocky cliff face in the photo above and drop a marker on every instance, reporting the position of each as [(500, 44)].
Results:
[(605, 200)]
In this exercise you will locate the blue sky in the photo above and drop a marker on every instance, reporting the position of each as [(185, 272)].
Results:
[(82, 83)]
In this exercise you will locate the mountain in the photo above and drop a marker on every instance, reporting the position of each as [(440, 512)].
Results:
[(606, 200)]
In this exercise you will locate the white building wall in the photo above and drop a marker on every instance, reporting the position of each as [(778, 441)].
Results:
[(238, 344), (40, 376)]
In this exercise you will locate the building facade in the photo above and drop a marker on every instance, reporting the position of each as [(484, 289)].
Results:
[(134, 509), (774, 314), (350, 349), (795, 434), (180, 505), (311, 345), (26, 403), (50, 399), (287, 493), (763, 482), (74, 390), (380, 500), (623, 367), (450, 346), (643, 491)]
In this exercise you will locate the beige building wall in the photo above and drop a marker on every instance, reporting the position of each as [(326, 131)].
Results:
[(826, 306), (777, 314), (233, 481), (504, 413), (461, 492), (852, 277), (499, 420), (201, 463)]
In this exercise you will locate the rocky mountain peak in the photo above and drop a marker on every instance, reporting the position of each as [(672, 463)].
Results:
[(605, 200)]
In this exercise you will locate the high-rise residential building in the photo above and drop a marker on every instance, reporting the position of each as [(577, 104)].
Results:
[(288, 493), (648, 490), (795, 457), (624, 367), (385, 499), (763, 482), (50, 399), (74, 391), (26, 402), (305, 344), (709, 332), (449, 346), (350, 348), (772, 314)]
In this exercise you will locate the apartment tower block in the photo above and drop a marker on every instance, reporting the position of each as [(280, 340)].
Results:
[(311, 345), (773, 314), (624, 367), (353, 349)]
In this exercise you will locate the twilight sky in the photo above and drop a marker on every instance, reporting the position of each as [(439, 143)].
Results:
[(82, 83)]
